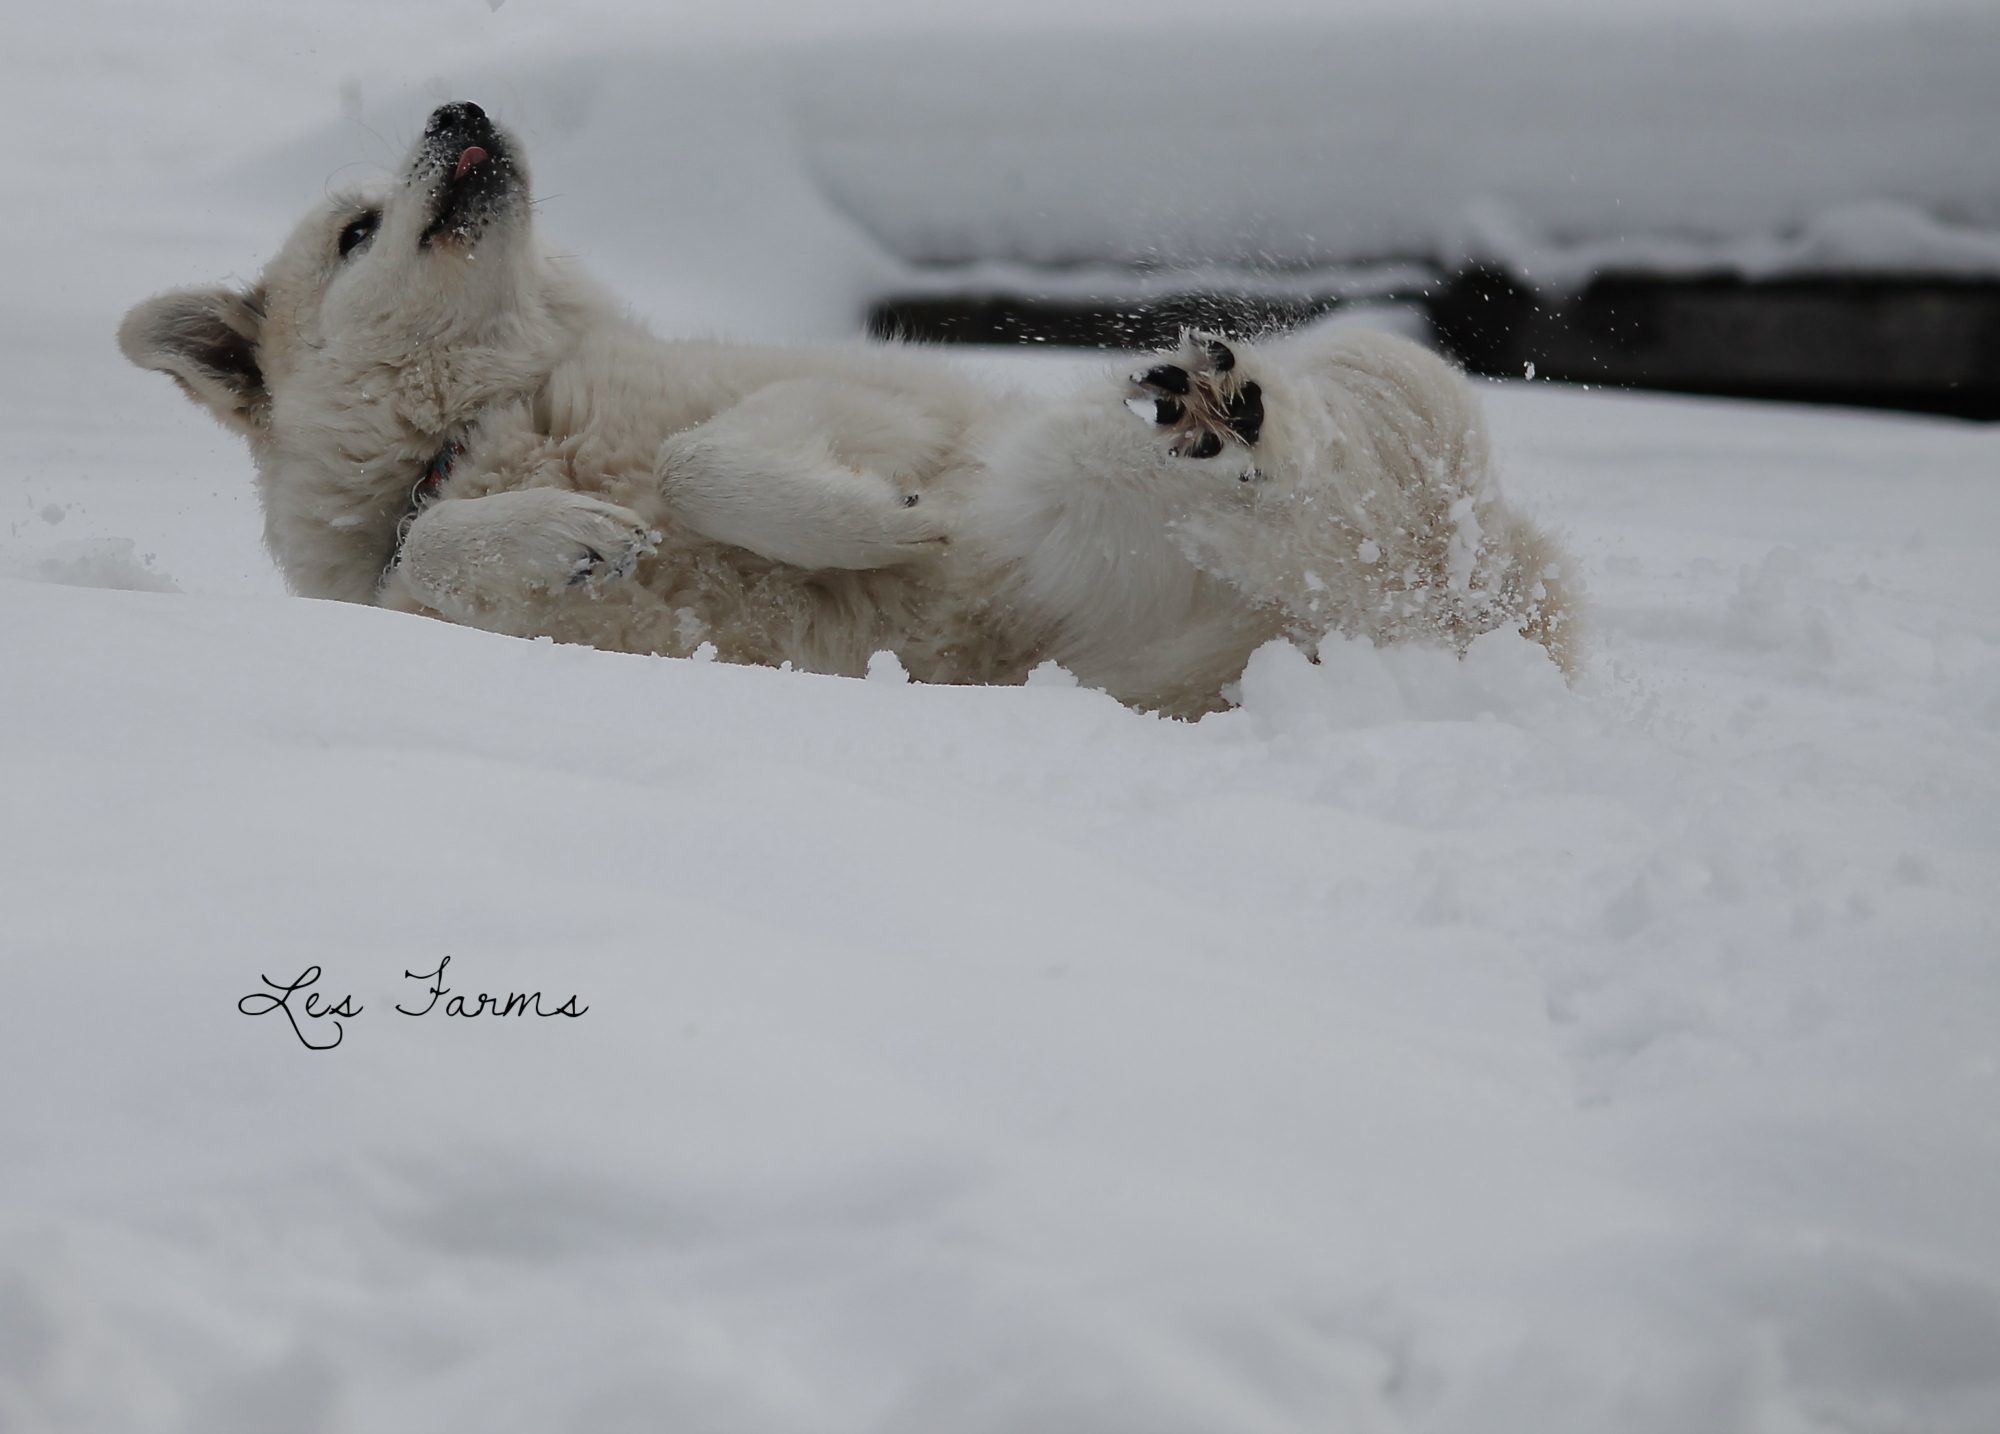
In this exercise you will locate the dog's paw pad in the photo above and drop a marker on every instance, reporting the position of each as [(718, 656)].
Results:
[(1245, 415), (1202, 397), (1167, 412)]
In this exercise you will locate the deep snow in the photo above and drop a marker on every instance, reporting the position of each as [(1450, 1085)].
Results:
[(1422, 1047)]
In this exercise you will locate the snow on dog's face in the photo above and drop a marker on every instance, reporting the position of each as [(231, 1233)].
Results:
[(367, 302)]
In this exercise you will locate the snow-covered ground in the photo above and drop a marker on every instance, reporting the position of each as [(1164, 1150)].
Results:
[(1422, 1047)]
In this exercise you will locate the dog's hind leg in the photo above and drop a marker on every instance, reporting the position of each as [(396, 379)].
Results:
[(1327, 483), (1377, 511), (816, 473), (1090, 496)]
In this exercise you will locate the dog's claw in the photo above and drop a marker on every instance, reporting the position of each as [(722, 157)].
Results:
[(583, 568), (596, 565)]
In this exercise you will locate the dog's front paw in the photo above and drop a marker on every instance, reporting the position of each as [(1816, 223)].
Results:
[(1201, 399), (552, 538), (467, 556)]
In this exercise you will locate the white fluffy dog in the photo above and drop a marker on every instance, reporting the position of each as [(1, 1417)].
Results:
[(447, 420)]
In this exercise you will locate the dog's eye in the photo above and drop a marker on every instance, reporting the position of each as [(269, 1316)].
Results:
[(358, 230)]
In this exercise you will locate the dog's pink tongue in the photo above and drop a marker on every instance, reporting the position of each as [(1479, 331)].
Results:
[(473, 155)]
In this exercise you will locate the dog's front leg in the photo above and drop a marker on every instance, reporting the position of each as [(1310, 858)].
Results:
[(477, 560), (801, 473)]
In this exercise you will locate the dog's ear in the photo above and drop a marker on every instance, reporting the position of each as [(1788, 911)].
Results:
[(206, 341)]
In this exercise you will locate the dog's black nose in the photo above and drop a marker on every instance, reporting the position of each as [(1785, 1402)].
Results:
[(454, 116)]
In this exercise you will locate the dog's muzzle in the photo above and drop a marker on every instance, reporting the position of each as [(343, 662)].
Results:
[(469, 169)]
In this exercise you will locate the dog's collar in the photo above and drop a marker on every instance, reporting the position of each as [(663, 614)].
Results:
[(437, 470), (421, 492)]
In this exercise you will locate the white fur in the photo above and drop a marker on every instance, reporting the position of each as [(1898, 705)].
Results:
[(818, 506)]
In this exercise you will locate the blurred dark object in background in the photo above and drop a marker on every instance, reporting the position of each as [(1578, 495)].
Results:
[(1926, 343)]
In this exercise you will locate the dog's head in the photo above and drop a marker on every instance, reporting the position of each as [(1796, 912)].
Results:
[(369, 288)]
